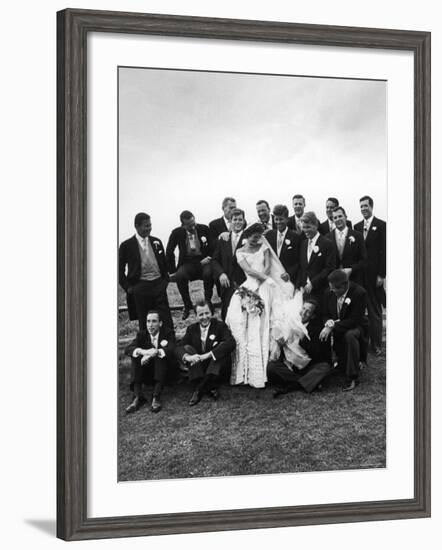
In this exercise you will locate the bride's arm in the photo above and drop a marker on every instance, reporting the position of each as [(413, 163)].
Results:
[(266, 262), (244, 265)]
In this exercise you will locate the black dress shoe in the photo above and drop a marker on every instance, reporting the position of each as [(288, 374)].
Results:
[(186, 313), (196, 398), (137, 402), (156, 405), (214, 393)]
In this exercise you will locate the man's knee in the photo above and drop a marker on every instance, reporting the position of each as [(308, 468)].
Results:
[(351, 336), (181, 276)]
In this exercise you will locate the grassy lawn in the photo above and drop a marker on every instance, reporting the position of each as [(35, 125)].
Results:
[(248, 431)]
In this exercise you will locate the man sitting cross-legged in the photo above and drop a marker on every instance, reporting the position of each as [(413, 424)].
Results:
[(290, 378), (152, 353), (205, 349), (344, 309)]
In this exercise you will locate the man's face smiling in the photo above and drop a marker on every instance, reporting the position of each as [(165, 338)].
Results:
[(203, 315), (263, 212), (338, 290), (144, 228), (189, 225), (366, 209), (227, 210), (309, 229), (281, 223), (237, 223), (153, 323), (340, 220), (329, 205), (298, 207)]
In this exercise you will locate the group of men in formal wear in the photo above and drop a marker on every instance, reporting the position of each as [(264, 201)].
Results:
[(340, 269)]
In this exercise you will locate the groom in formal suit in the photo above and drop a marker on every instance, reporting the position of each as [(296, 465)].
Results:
[(206, 351), (374, 232), (294, 222), (349, 247), (152, 354), (194, 243), (143, 273), (289, 377), (225, 268), (285, 243), (344, 311), (316, 259)]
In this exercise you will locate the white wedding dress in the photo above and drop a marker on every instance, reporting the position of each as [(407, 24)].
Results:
[(257, 335)]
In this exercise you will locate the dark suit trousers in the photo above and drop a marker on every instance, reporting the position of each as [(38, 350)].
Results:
[(226, 296), (348, 350), (374, 309), (308, 378), (152, 295), (192, 271), (155, 371), (208, 369)]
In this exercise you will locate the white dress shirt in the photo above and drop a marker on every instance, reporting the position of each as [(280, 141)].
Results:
[(280, 240)]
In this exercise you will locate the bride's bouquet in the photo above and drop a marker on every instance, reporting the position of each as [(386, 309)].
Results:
[(251, 302)]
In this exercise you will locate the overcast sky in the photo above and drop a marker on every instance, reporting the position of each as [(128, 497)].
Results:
[(188, 139)]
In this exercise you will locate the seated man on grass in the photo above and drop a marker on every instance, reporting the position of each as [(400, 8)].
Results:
[(205, 349), (152, 354), (290, 378)]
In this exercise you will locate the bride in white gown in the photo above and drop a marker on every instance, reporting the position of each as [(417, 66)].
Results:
[(263, 312)]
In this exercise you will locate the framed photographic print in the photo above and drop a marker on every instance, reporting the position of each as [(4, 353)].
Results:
[(226, 355)]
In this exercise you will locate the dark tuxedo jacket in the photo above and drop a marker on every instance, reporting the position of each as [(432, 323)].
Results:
[(289, 256), (352, 313), (319, 352), (321, 264), (224, 261), (324, 227), (219, 340), (166, 342), (129, 256), (217, 227), (354, 254), (375, 243), (178, 237)]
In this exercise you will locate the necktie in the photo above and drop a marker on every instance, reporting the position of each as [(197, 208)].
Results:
[(366, 228), (280, 242), (234, 242), (192, 241), (309, 249), (146, 245), (299, 226), (341, 243)]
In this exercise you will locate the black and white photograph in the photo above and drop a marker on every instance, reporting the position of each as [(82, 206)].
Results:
[(252, 215)]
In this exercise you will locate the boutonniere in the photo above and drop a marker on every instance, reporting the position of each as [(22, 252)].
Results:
[(215, 343), (203, 239), (163, 343), (374, 228), (316, 249), (157, 243), (288, 241), (211, 337), (243, 242), (347, 301), (351, 239)]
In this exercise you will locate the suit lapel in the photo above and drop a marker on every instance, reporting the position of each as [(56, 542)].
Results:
[(136, 248)]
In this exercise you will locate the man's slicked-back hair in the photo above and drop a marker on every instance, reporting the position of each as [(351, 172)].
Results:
[(226, 200), (202, 303), (140, 218), (238, 212), (186, 215), (281, 210), (338, 277), (367, 198), (262, 201), (297, 196), (310, 218), (334, 200), (337, 208)]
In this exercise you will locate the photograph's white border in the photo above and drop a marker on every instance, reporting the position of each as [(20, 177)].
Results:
[(106, 497)]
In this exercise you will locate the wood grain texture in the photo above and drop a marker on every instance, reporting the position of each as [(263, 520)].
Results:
[(72, 29)]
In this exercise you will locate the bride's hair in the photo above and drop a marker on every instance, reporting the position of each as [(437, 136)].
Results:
[(252, 230)]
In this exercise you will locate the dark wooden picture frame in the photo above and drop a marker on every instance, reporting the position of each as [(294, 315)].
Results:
[(73, 27)]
